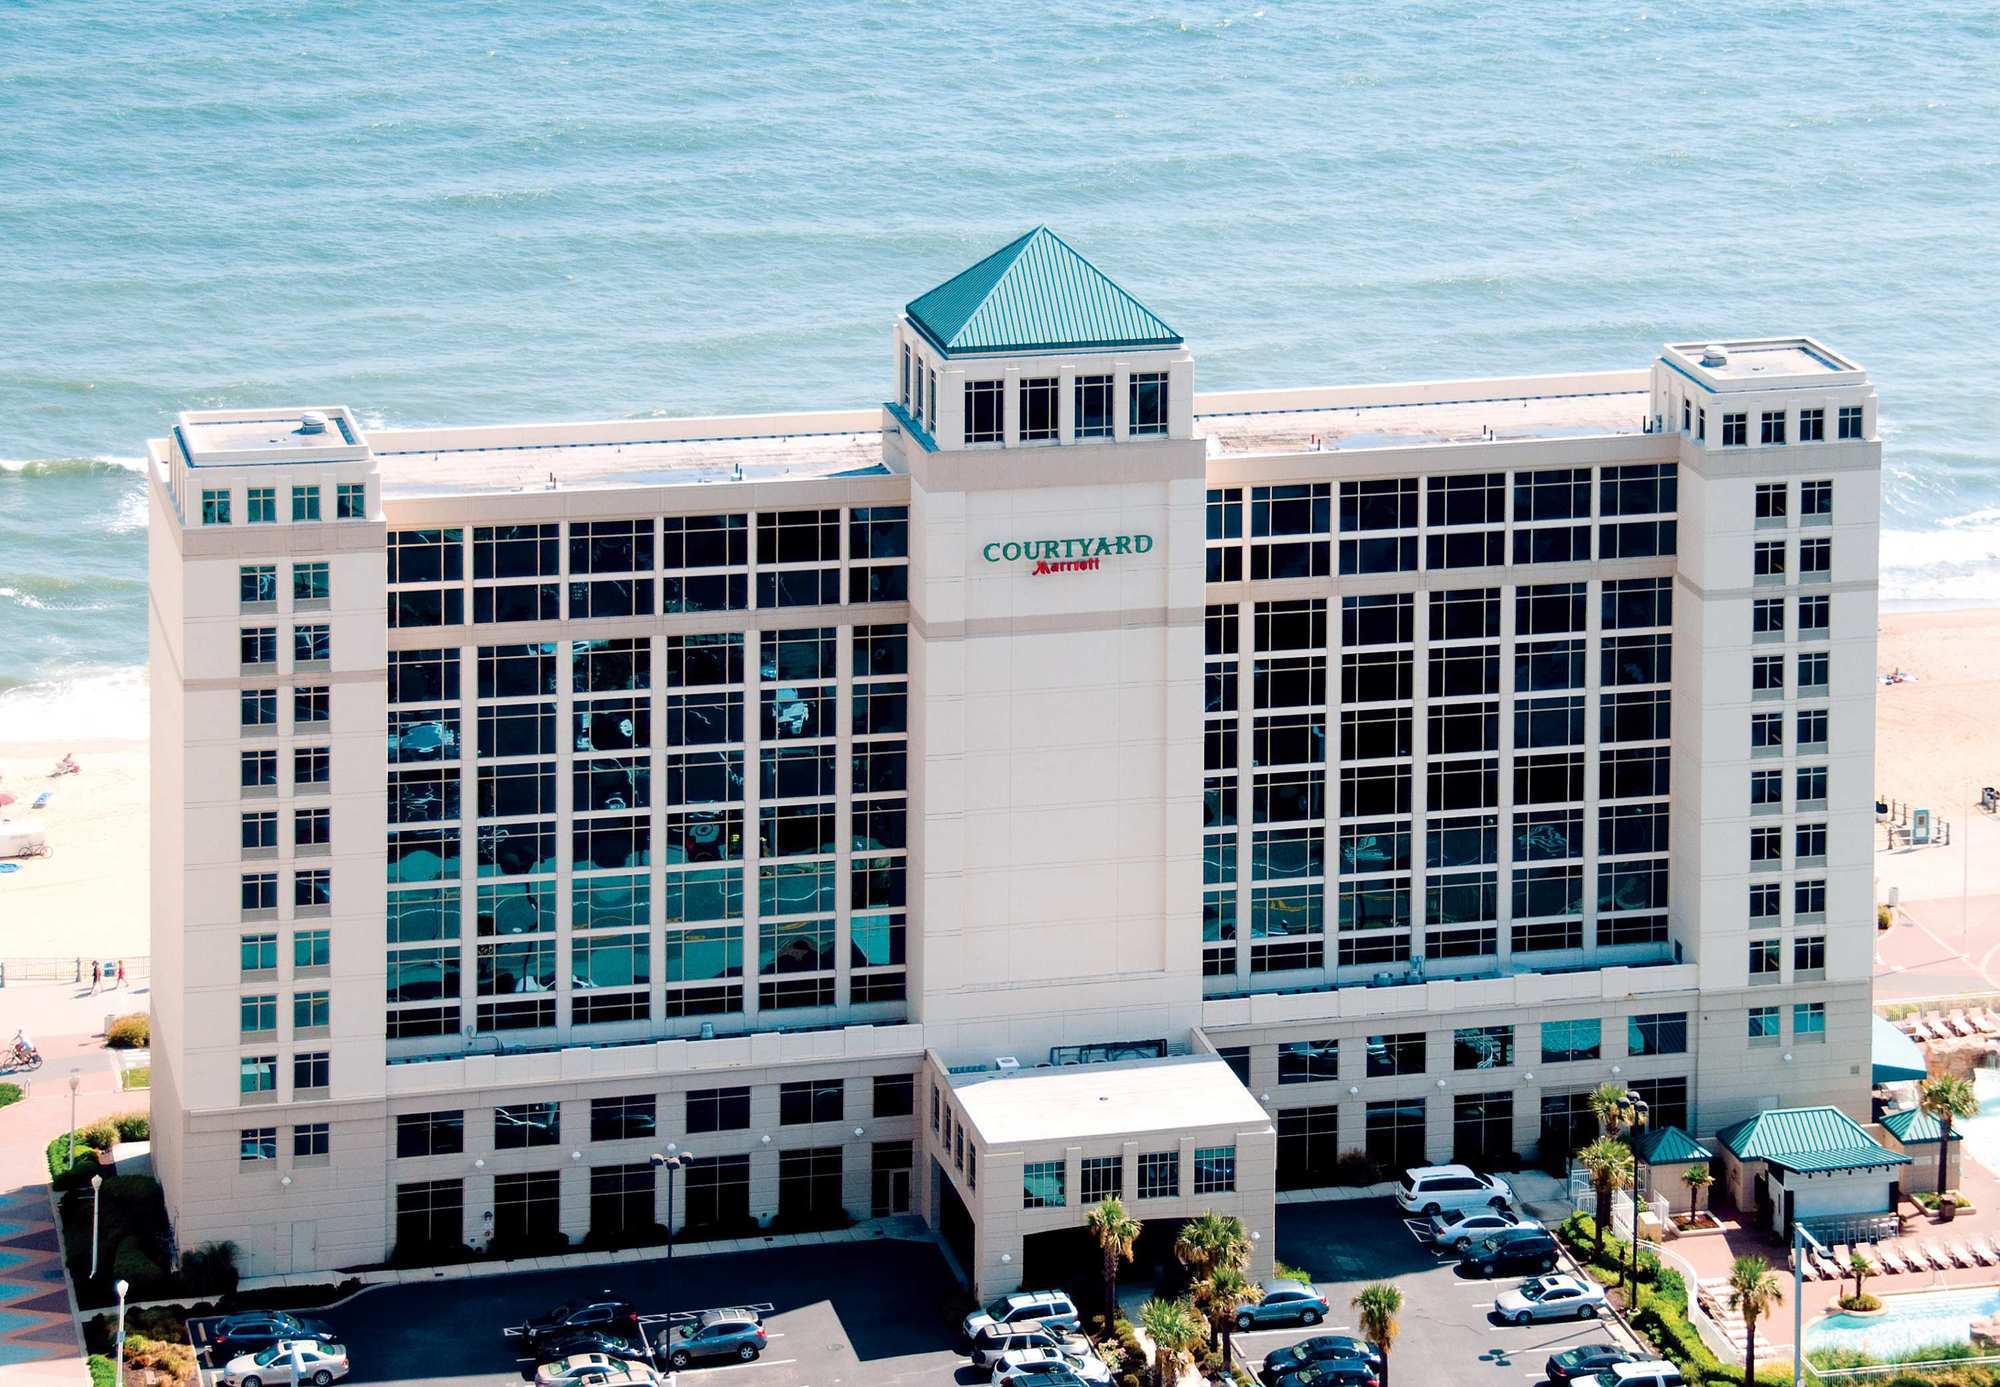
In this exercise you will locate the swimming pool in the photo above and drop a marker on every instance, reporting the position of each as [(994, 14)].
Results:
[(1913, 1321), (1982, 1133)]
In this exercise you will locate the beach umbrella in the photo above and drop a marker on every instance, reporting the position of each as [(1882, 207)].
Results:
[(5, 799)]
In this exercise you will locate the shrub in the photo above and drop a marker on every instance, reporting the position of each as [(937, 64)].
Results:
[(133, 1263), (9, 1094), (1863, 1301), (103, 1372), (173, 1362), (131, 1126), (210, 1269), (1356, 1168), (65, 1174), (138, 1076), (133, 1031), (1285, 1271)]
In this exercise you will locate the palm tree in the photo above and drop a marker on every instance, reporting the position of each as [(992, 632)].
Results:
[(1379, 1303), (1175, 1327), (1697, 1178), (1225, 1292), (1212, 1241), (1946, 1097), (1608, 1106), (1609, 1162), (1753, 1292), (1116, 1231), (1861, 1269)]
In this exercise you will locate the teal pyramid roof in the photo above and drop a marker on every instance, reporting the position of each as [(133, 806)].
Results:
[(1808, 1140), (1913, 1127), (1669, 1145), (1035, 294)]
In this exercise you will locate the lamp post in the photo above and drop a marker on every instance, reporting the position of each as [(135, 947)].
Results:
[(1798, 1302), (74, 1079), (1640, 1112), (96, 1188), (122, 1287), (674, 1160)]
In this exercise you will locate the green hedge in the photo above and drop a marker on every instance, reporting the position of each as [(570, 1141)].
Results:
[(97, 1137), (10, 1094)]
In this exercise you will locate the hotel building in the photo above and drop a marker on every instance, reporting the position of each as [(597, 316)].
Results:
[(1049, 783)]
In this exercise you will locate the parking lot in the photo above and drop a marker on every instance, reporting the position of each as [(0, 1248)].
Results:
[(1447, 1331), (845, 1314)]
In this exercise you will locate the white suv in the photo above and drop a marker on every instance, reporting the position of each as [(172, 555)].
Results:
[(1432, 1189), (1053, 1309), (1654, 1373)]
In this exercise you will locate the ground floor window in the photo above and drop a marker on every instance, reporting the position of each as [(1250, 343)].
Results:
[(1042, 1185), (1159, 1174), (1308, 1147), (809, 1185), (1214, 1169), (1567, 1126), (718, 1193), (890, 1178), (1103, 1178), (527, 1210), (621, 1201), (1396, 1133), (1482, 1129), (1666, 1101), (430, 1218)]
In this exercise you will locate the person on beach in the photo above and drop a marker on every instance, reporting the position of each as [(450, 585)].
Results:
[(96, 974)]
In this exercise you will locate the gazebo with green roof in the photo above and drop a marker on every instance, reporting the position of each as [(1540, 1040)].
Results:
[(1668, 1152), (1809, 1163), (1914, 1133)]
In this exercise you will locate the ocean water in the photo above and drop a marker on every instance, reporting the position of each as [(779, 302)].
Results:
[(476, 212)]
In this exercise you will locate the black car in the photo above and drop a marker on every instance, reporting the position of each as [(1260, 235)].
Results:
[(606, 1315), (1334, 1372), (1515, 1249), (1581, 1361), (564, 1342), (1321, 1348), (235, 1335)]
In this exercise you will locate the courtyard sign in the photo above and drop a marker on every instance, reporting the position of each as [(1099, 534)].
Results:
[(1077, 554)]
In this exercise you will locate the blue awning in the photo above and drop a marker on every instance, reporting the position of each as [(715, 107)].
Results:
[(1896, 1056)]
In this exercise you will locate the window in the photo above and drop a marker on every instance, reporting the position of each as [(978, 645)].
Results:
[(1769, 559), (1308, 1147), (311, 704), (1809, 954), (1159, 1174), (311, 1141), (430, 1134), (1811, 785), (1395, 1133), (623, 1119), (350, 501), (1482, 1047), (1813, 665), (1810, 843), (1767, 788), (1771, 499), (311, 1072), (312, 644), (257, 583), (1763, 1025), (258, 953), (262, 505), (1850, 421), (1809, 899), (1764, 900), (1815, 558), (1038, 409), (257, 1015), (1767, 731), (1816, 499), (718, 1192), (1657, 1033), (259, 769), (1767, 674), (519, 1126), (1042, 1185), (984, 400), (1772, 426), (1812, 426), (1565, 1042), (310, 1010), (1735, 430), (1214, 1169), (1389, 1055), (1093, 406), (1812, 727), (1148, 399), (718, 1110), (258, 707), (1814, 614), (310, 583), (526, 1210), (257, 1144), (1764, 958), (1767, 616), (895, 1096), (260, 834), (622, 1201), (809, 1184), (257, 645), (811, 1100), (215, 507), (1102, 1177), (260, 892), (1766, 845), (257, 1074), (1808, 1023), (312, 828), (1308, 1061)]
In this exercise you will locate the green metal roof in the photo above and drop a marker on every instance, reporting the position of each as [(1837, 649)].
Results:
[(1808, 1140), (1035, 294), (1671, 1145), (1913, 1126)]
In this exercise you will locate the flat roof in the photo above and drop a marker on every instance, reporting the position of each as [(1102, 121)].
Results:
[(528, 466), (1083, 1101), (214, 438), (1353, 428), (1796, 356)]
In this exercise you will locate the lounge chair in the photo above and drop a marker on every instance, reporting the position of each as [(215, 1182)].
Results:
[(1960, 1023), (1940, 1027), (1937, 1259), (1983, 1249), (1984, 1020), (1959, 1256), (1829, 1269), (1925, 1029), (1899, 1259), (1907, 1024), (1980, 1255)]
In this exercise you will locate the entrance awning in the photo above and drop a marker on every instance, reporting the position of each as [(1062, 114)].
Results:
[(1896, 1057)]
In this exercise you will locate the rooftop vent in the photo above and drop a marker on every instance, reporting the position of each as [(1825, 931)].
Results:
[(1006, 1064), (1715, 354), (312, 421)]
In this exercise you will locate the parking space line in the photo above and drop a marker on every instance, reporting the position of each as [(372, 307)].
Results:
[(732, 1367)]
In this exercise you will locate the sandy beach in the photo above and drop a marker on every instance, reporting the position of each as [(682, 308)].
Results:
[(1937, 737), (89, 896)]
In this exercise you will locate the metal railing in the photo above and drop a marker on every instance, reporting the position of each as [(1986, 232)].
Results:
[(16, 971)]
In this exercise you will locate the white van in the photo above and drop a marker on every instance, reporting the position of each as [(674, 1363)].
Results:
[(1433, 1189)]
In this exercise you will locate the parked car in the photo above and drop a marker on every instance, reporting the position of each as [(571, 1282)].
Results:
[(1457, 1227), (1335, 1372), (567, 1343), (1572, 1363), (232, 1336), (1559, 1297), (1321, 1348), (1001, 1339), (1431, 1189), (605, 1315), (1027, 1362), (597, 1369), (314, 1361), (1053, 1309), (1283, 1302), (1511, 1251), (1048, 1377), (733, 1333), (1653, 1372)]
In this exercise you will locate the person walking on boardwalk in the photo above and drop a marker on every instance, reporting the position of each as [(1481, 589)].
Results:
[(96, 974), (121, 973)]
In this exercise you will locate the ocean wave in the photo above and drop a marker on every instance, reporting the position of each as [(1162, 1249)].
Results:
[(72, 467), (89, 705), (50, 593), (1957, 562)]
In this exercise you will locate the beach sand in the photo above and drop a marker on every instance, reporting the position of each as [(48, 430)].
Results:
[(1937, 739), (89, 897)]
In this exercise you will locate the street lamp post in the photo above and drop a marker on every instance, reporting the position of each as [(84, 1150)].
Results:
[(1640, 1112), (96, 1191), (75, 1078), (674, 1160), (1798, 1302), (122, 1287)]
